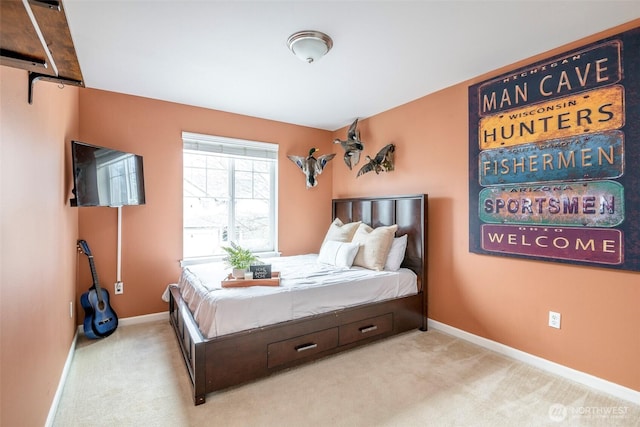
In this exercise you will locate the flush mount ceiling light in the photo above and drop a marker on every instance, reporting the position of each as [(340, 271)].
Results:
[(309, 45)]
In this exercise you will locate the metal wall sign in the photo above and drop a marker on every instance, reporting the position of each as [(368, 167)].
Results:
[(554, 158)]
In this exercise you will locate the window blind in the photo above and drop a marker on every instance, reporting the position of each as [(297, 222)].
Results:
[(229, 146)]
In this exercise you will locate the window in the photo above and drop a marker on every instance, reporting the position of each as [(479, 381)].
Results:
[(229, 195)]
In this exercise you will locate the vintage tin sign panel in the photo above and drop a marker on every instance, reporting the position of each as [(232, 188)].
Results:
[(599, 245), (597, 156), (591, 112), (554, 158), (588, 204)]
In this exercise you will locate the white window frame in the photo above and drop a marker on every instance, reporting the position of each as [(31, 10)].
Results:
[(237, 148)]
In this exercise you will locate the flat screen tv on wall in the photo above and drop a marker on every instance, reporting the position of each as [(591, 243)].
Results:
[(106, 177)]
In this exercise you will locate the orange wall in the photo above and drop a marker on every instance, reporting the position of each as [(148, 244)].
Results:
[(152, 234), (38, 256), (502, 299)]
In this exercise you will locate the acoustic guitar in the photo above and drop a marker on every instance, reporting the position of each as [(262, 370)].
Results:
[(99, 318)]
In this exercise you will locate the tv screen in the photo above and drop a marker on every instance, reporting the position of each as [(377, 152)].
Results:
[(106, 177)]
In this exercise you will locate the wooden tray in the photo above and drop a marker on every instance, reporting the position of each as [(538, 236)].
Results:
[(230, 282)]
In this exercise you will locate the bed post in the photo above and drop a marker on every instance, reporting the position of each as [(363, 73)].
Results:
[(425, 257), (425, 312)]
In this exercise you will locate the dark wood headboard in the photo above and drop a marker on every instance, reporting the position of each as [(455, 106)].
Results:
[(409, 212)]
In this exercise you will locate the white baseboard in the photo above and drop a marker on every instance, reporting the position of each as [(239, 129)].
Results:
[(146, 318), (596, 383), (63, 379)]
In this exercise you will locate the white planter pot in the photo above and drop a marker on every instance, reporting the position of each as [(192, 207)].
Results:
[(238, 273)]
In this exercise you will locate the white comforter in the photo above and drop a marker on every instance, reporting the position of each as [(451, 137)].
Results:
[(306, 288)]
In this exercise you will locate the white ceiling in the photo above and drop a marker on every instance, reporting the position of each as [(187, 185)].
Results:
[(232, 55)]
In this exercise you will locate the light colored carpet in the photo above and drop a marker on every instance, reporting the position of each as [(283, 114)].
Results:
[(136, 377)]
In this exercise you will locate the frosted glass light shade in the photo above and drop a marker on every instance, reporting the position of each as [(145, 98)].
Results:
[(309, 45)]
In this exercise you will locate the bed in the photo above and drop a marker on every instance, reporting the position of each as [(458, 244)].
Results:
[(218, 355)]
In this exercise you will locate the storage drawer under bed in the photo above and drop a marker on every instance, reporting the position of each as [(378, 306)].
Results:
[(300, 347), (365, 328)]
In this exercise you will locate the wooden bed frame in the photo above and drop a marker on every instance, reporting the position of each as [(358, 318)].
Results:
[(221, 362)]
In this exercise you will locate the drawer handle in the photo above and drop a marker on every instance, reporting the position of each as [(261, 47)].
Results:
[(304, 347), (366, 329)]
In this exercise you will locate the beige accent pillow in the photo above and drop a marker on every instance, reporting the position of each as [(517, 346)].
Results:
[(340, 232), (374, 245)]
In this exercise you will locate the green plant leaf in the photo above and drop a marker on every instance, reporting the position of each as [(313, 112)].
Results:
[(238, 257)]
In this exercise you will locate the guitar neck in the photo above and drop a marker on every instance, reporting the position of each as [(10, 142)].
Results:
[(84, 248), (94, 276)]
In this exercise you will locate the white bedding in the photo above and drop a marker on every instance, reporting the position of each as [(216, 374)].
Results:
[(306, 288)]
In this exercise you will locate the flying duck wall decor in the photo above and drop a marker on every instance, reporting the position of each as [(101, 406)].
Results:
[(352, 146), (310, 166), (383, 162)]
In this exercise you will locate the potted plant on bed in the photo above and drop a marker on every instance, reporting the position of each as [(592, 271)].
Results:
[(239, 259)]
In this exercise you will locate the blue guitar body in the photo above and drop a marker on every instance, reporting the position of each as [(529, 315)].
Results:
[(99, 318)]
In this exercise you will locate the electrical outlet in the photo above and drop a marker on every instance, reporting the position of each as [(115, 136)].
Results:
[(554, 319), (119, 288)]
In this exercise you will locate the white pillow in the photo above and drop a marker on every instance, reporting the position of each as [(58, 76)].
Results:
[(396, 253), (341, 232), (340, 254), (375, 245)]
